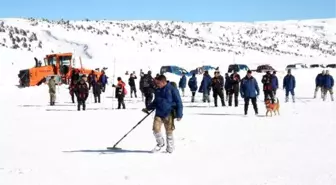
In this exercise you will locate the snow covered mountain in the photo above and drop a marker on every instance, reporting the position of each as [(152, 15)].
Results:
[(308, 38)]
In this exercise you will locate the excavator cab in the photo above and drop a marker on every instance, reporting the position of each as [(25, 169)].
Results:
[(61, 64)]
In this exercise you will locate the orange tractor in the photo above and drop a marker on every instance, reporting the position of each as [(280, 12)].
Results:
[(60, 65)]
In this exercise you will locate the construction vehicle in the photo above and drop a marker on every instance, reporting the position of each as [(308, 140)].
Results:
[(60, 65)]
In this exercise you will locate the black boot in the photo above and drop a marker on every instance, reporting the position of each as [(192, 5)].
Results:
[(84, 106)]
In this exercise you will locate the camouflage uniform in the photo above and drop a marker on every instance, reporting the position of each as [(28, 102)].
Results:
[(52, 90)]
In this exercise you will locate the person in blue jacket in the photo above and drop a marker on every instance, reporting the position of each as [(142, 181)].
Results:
[(205, 87), (168, 106), (249, 90), (227, 86), (103, 80), (289, 85), (183, 83), (275, 83), (192, 84), (319, 84), (328, 85)]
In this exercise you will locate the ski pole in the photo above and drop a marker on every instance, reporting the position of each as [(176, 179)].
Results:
[(114, 146)]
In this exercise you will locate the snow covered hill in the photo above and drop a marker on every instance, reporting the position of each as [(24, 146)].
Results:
[(308, 38)]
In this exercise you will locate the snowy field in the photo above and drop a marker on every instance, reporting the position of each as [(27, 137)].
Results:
[(43, 145), (60, 146)]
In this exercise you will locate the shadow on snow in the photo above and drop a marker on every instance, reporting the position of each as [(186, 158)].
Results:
[(226, 114), (118, 150)]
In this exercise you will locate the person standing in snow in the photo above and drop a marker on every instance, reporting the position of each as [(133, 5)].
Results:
[(168, 106), (205, 87), (72, 90), (97, 89), (267, 86), (192, 83), (217, 84), (82, 93), (289, 85), (52, 90), (103, 80), (131, 83), (148, 87), (249, 90), (92, 79), (234, 91), (227, 86), (183, 83), (328, 85), (120, 95), (319, 84), (275, 83)]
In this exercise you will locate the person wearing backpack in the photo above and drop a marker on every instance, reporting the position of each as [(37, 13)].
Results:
[(148, 87), (168, 106), (120, 92)]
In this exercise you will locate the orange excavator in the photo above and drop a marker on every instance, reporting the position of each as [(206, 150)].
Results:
[(60, 64)]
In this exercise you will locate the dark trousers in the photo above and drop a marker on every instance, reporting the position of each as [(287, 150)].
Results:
[(121, 102), (148, 98), (219, 93), (72, 97), (193, 96), (274, 92), (268, 94), (133, 90), (235, 94), (97, 98), (254, 103), (81, 103)]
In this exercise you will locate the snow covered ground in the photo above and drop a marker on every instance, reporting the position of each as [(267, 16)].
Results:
[(58, 145)]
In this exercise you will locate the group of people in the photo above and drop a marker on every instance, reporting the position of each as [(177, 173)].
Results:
[(233, 85), (80, 86)]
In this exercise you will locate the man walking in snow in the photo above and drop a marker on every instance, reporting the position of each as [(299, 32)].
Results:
[(52, 90), (234, 91), (249, 90), (289, 85), (217, 84), (148, 87), (192, 83), (328, 85), (205, 87), (319, 84), (131, 83), (82, 93), (168, 106), (275, 83), (183, 83), (227, 86)]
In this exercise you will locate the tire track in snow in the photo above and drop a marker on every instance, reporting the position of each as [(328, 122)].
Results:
[(85, 46)]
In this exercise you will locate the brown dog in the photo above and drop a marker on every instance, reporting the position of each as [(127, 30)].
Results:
[(270, 108)]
